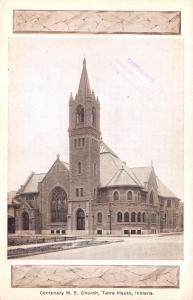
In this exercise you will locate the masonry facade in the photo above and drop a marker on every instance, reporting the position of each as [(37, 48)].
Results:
[(96, 193)]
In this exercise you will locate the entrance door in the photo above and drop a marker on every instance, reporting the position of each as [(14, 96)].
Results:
[(11, 225), (25, 220), (80, 219)]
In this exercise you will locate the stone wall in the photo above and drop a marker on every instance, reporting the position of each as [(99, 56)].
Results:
[(57, 176)]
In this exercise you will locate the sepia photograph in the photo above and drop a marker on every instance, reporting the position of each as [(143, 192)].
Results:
[(96, 163), (95, 167)]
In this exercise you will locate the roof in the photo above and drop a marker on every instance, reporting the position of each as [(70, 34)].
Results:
[(142, 173), (163, 190), (114, 172), (122, 177), (105, 149), (32, 185), (84, 86)]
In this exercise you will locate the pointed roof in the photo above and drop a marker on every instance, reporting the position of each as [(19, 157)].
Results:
[(105, 149), (163, 190), (122, 177), (114, 171), (142, 173), (84, 86), (32, 184)]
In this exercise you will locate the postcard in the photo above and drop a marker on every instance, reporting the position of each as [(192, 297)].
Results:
[(96, 151)]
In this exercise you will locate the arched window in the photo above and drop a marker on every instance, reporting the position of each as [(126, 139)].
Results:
[(79, 168), (94, 169), (94, 117), (126, 217), (143, 217), (133, 217), (129, 195), (79, 114), (153, 218), (25, 220), (151, 198), (99, 217), (58, 205), (119, 217), (116, 195), (139, 217)]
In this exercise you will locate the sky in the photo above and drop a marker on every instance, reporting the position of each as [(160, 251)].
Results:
[(139, 82)]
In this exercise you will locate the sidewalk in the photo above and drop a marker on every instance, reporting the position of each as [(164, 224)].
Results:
[(68, 242), (42, 248), (135, 235)]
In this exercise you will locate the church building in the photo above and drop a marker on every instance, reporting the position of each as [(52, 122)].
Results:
[(96, 193)]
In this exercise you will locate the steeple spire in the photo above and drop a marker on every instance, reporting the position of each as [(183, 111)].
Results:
[(84, 86)]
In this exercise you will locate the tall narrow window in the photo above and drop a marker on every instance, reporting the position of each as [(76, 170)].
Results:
[(126, 217), (129, 195), (116, 195), (83, 142), (81, 192), (77, 192), (151, 198), (75, 143), (143, 197), (139, 217), (153, 218), (95, 169), (119, 217), (25, 220), (143, 218), (79, 168), (133, 217), (79, 114), (99, 217), (94, 117)]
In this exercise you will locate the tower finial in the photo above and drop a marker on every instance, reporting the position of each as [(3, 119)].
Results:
[(84, 86), (84, 60)]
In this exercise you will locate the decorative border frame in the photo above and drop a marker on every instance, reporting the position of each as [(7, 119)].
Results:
[(97, 22), (68, 276)]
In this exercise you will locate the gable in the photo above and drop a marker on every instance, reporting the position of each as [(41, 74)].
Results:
[(58, 175), (113, 171)]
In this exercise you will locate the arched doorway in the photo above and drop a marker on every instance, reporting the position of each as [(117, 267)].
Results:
[(80, 219), (25, 220)]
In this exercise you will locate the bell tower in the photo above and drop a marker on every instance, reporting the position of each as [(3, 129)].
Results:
[(84, 143)]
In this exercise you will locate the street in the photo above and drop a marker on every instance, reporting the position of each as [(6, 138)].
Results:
[(130, 248)]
